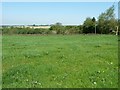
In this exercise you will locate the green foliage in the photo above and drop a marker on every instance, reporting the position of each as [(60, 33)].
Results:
[(93, 19), (107, 21), (15, 30), (89, 25), (66, 29), (72, 30), (62, 61), (58, 28)]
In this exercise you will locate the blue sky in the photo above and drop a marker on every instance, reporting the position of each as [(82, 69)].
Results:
[(51, 12)]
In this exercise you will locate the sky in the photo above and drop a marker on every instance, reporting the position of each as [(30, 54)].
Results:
[(67, 13), (59, 0)]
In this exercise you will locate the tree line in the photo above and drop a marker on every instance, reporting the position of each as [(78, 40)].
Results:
[(106, 23)]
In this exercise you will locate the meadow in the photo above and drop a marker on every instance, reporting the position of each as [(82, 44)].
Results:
[(59, 61)]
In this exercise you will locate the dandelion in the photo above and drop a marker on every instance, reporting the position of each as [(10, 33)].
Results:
[(27, 80), (94, 83), (39, 83), (35, 82), (111, 63)]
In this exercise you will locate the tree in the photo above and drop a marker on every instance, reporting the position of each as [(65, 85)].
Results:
[(34, 25), (94, 21), (72, 29), (58, 24), (107, 21), (58, 28), (88, 26)]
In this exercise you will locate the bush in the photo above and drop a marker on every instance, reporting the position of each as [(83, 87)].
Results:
[(24, 31)]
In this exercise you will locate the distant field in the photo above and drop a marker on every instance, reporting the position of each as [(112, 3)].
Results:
[(60, 61), (35, 27)]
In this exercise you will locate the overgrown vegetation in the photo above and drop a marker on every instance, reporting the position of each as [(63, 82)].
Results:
[(16, 30)]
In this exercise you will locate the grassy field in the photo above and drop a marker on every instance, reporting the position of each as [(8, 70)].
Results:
[(60, 61)]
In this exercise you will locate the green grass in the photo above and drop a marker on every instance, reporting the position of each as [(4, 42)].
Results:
[(60, 61), (0, 61)]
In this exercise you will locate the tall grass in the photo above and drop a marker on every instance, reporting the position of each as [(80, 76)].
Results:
[(60, 61)]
